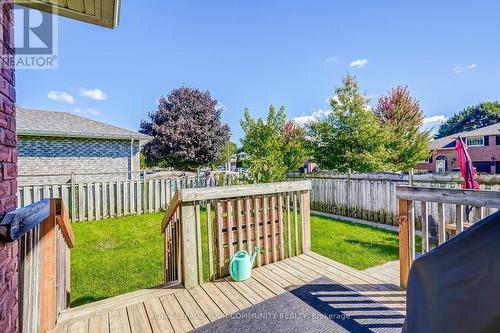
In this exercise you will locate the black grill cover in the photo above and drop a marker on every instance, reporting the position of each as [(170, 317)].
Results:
[(456, 286)]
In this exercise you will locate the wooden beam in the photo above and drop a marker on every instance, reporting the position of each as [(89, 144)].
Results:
[(64, 223), (404, 248), (189, 245), (489, 199), (48, 315), (306, 221), (195, 194), (172, 208)]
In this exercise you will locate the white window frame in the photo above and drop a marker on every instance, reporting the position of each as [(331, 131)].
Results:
[(470, 141)]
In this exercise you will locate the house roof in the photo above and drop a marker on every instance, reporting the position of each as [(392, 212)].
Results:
[(105, 13), (63, 124), (445, 142)]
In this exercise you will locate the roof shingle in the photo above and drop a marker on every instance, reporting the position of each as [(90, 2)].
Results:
[(64, 124), (487, 130)]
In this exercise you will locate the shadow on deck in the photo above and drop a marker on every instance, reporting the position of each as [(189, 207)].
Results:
[(369, 304)]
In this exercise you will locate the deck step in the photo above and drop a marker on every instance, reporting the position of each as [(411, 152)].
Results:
[(117, 302)]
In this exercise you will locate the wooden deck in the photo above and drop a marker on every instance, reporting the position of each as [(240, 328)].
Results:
[(177, 309)]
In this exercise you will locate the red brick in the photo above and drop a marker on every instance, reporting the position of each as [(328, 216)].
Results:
[(13, 186), (5, 188), (4, 121), (5, 154), (8, 203), (7, 106), (9, 170), (10, 138)]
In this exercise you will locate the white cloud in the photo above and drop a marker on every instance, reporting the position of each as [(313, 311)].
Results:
[(61, 96), (358, 63), (94, 112), (304, 119), (331, 59), (435, 119), (88, 110), (460, 69), (432, 123), (95, 94)]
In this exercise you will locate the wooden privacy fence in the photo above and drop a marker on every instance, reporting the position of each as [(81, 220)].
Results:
[(45, 240), (372, 196), (98, 200), (273, 216), (468, 207)]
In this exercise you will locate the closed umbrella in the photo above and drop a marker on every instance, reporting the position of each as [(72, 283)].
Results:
[(466, 169), (465, 164)]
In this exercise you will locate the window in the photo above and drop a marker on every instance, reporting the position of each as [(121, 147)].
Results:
[(475, 141)]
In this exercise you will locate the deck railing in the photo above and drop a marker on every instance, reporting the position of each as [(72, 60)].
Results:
[(273, 216), (435, 206), (45, 238)]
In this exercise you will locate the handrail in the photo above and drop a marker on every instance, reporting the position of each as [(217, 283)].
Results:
[(195, 194), (172, 207), (490, 199)]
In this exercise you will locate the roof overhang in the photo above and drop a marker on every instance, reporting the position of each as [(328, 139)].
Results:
[(105, 13), (141, 138)]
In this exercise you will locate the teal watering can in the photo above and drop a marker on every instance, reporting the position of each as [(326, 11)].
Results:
[(240, 266)]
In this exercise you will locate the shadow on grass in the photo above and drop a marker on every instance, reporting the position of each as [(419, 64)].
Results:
[(387, 249), (84, 300)]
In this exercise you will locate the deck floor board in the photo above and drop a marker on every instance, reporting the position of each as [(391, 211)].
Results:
[(179, 310)]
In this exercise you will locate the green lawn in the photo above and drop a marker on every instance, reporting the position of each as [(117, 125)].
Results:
[(119, 255)]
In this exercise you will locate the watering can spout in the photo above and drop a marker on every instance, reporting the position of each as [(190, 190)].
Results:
[(254, 255)]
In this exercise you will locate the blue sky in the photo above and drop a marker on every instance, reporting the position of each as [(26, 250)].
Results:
[(282, 52)]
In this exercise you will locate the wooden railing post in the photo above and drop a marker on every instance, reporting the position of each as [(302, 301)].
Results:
[(189, 245), (404, 242), (306, 221), (48, 275)]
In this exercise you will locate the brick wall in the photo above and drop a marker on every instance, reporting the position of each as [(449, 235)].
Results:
[(490, 153), (57, 155), (8, 172)]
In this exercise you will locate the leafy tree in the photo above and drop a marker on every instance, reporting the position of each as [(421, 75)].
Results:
[(295, 145), (350, 137), (263, 143), (400, 115), (187, 130), (471, 118), (228, 150)]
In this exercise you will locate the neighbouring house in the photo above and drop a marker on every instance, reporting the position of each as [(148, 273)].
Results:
[(53, 145), (484, 151)]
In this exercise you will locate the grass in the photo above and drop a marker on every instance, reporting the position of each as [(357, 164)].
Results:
[(356, 245), (119, 255)]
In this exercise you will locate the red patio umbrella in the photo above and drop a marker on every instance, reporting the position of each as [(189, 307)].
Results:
[(465, 164)]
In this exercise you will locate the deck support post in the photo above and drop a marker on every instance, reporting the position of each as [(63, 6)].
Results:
[(306, 221), (404, 242), (188, 245)]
